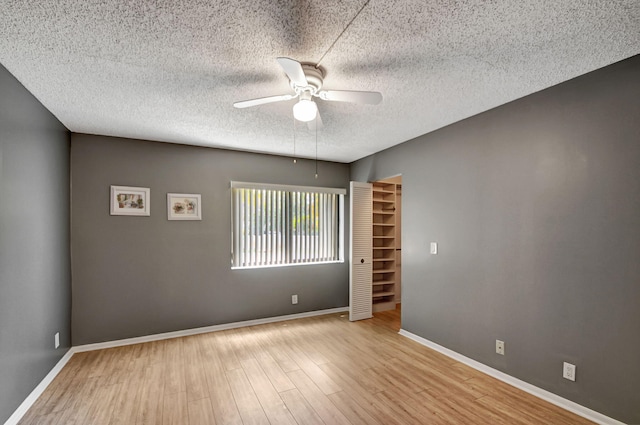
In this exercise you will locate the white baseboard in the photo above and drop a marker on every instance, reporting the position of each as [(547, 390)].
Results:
[(37, 392), (206, 329), (569, 405)]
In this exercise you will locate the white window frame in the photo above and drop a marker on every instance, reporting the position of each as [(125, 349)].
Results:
[(243, 257)]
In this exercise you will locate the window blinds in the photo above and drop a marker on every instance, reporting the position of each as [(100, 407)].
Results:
[(282, 225)]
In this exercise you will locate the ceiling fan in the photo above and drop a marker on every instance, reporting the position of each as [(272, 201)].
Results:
[(306, 81)]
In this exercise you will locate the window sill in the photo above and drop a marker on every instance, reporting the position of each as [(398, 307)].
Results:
[(268, 266)]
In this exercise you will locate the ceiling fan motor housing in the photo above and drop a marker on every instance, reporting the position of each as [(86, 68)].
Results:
[(314, 76)]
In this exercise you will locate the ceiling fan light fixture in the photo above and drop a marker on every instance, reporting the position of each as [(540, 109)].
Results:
[(305, 110)]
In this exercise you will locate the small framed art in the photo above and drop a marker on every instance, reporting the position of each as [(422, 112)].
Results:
[(184, 206), (127, 200)]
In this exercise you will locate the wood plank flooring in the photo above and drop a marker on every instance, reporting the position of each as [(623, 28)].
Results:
[(320, 370)]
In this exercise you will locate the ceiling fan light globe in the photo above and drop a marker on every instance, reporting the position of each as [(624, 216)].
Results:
[(305, 110)]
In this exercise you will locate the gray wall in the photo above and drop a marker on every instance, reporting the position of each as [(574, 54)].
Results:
[(536, 209), (136, 276), (35, 282)]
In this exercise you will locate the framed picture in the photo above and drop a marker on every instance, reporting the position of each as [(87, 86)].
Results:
[(184, 206), (126, 200)]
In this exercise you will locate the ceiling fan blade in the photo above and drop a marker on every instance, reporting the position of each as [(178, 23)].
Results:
[(294, 71), (368, 97), (315, 124), (263, 100)]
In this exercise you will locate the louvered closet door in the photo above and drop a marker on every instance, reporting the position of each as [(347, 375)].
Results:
[(360, 251)]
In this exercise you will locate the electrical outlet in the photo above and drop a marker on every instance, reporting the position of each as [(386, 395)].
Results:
[(294, 299), (499, 347), (569, 371), (56, 339)]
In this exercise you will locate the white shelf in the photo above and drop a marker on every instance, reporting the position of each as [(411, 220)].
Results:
[(383, 294)]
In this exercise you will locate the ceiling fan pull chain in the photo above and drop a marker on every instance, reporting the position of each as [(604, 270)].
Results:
[(295, 160)]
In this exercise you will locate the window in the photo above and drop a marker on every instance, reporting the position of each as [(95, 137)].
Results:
[(275, 225)]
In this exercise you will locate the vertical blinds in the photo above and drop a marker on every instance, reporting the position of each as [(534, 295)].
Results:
[(282, 225)]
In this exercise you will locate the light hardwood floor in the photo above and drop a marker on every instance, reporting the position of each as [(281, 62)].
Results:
[(321, 370)]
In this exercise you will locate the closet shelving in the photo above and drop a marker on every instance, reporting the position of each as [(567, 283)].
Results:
[(384, 246)]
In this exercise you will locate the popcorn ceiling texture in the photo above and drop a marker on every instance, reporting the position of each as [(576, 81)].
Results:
[(170, 71)]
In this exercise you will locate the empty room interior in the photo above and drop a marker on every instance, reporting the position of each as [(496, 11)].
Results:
[(329, 212)]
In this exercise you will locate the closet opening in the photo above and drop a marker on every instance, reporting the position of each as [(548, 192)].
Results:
[(386, 279)]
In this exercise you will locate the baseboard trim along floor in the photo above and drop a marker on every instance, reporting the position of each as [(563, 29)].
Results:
[(37, 391), (204, 330), (569, 405)]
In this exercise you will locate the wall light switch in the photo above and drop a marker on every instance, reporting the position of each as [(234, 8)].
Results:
[(434, 248)]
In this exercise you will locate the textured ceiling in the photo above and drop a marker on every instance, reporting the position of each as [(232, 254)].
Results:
[(171, 70)]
